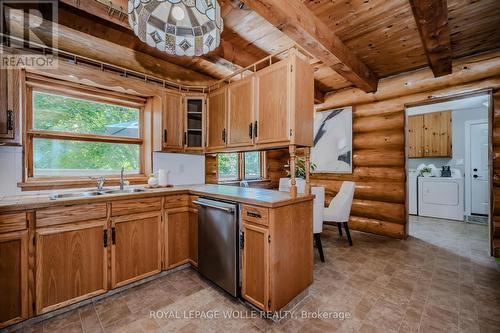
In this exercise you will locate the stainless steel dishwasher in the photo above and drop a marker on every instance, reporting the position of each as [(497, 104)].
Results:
[(218, 243)]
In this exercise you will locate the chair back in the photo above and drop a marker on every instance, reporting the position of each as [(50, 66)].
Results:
[(285, 183), (318, 208), (342, 202)]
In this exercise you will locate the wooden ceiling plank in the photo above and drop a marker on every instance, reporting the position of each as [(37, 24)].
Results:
[(300, 24), (432, 22)]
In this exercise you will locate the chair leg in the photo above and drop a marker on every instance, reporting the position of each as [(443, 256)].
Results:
[(339, 225), (317, 240), (346, 227)]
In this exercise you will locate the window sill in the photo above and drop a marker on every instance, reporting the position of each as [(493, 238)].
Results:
[(65, 183), (256, 182)]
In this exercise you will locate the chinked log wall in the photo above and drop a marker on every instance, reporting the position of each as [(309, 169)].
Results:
[(379, 140)]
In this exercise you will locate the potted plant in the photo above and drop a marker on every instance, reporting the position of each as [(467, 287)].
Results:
[(300, 168), (426, 171)]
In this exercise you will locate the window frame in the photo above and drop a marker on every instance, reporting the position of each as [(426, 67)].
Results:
[(241, 168), (72, 90)]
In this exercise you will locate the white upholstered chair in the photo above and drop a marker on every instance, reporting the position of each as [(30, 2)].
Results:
[(340, 208), (318, 206)]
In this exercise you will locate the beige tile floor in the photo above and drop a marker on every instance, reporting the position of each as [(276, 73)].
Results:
[(440, 279)]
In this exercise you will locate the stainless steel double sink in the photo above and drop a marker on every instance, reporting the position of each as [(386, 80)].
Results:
[(94, 193)]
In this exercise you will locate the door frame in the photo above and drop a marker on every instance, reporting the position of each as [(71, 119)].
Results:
[(467, 164), (477, 92)]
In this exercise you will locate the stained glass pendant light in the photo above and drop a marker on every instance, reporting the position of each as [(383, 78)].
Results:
[(178, 27)]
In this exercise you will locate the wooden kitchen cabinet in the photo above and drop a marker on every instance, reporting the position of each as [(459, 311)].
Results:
[(255, 269), (240, 112), (193, 236), (173, 122), (430, 135), (216, 123), (13, 275), (194, 117), (136, 246), (177, 236), (9, 106), (71, 263)]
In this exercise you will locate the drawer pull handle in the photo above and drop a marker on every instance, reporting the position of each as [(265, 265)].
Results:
[(253, 214)]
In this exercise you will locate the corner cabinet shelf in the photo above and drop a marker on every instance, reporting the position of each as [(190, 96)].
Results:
[(272, 107)]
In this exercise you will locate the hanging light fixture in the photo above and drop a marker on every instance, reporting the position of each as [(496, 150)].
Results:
[(178, 27)]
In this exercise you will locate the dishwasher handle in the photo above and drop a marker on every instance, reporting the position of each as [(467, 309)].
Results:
[(229, 210)]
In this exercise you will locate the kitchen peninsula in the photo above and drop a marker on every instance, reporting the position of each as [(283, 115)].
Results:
[(72, 249)]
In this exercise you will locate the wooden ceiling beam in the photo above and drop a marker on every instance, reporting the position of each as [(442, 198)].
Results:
[(300, 24), (432, 23)]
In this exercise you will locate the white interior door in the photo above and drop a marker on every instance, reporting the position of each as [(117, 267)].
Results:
[(479, 168)]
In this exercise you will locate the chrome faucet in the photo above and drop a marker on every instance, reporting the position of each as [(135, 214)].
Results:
[(121, 178), (100, 183)]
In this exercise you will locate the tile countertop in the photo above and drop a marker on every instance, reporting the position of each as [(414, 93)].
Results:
[(253, 196)]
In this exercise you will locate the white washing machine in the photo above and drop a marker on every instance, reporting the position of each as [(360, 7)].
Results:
[(442, 197)]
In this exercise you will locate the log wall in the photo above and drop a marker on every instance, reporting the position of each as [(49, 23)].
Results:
[(379, 204)]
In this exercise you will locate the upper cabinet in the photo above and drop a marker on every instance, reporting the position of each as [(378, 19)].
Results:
[(270, 108), (194, 116), (173, 121), (216, 123), (9, 106), (430, 135), (240, 113)]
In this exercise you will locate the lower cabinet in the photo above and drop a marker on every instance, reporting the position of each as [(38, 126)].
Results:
[(177, 245), (255, 269), (135, 247), (13, 277), (71, 263), (193, 236)]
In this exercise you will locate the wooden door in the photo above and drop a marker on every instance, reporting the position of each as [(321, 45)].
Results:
[(416, 136), (177, 237), (6, 105), (193, 236), (13, 277), (194, 111), (71, 264), (173, 122), (255, 270), (241, 105), (216, 124), (273, 104), (437, 134), (136, 247)]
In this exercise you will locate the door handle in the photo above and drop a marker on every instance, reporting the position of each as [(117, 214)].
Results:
[(250, 130), (204, 204), (165, 135), (475, 176), (255, 129), (475, 169)]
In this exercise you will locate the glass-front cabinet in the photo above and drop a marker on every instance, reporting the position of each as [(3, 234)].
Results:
[(195, 118)]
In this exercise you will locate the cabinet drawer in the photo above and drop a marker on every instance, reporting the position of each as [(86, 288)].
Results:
[(133, 206), (12, 222), (176, 201), (67, 214), (254, 214)]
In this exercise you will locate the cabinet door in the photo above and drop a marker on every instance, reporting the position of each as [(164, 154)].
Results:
[(216, 124), (193, 236), (136, 247), (7, 104), (173, 122), (194, 118), (255, 270), (177, 236), (13, 277), (273, 106), (71, 264), (241, 102), (416, 136), (437, 134)]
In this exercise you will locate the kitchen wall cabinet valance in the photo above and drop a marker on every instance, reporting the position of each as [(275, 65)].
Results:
[(430, 135), (273, 107)]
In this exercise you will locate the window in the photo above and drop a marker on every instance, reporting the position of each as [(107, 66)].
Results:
[(78, 133), (240, 166)]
